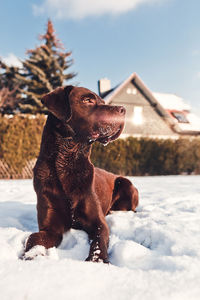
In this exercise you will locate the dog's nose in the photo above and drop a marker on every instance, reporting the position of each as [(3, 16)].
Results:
[(121, 110)]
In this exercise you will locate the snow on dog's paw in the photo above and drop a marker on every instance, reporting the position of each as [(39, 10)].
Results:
[(37, 251)]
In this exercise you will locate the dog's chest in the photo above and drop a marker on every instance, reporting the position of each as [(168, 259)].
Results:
[(74, 171)]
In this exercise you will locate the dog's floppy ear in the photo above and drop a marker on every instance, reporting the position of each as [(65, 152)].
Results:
[(57, 102)]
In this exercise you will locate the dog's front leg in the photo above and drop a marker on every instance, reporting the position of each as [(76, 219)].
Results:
[(88, 213), (99, 245)]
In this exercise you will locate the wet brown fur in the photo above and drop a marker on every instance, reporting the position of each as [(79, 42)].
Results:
[(71, 192)]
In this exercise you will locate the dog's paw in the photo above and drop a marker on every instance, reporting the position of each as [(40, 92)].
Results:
[(96, 258), (37, 251)]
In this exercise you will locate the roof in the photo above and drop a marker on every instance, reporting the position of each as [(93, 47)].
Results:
[(162, 103), (171, 101), (193, 125), (138, 83)]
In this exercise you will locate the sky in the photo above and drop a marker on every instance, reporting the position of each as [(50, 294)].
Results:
[(157, 39)]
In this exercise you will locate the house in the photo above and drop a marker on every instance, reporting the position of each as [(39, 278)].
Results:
[(148, 114)]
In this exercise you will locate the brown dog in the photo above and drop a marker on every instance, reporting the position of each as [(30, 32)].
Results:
[(71, 193)]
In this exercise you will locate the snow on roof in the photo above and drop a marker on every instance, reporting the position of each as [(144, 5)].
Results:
[(193, 125), (171, 101)]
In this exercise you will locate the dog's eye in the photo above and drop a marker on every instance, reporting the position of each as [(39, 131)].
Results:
[(87, 100)]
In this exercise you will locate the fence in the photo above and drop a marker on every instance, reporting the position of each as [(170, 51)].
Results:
[(10, 172)]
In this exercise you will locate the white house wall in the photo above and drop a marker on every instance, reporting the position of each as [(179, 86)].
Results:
[(152, 123)]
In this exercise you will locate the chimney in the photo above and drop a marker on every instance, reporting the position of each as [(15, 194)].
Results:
[(103, 86)]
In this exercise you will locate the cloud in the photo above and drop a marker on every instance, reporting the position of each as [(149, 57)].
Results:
[(12, 60), (79, 9)]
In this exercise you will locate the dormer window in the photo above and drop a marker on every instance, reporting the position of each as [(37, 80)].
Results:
[(180, 116)]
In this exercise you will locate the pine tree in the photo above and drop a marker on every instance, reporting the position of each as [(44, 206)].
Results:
[(8, 100), (44, 70), (9, 89)]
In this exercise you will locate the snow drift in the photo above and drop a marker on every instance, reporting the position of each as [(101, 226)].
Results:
[(154, 253)]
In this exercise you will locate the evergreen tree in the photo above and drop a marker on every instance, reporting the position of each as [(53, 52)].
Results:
[(8, 100), (43, 70), (9, 91)]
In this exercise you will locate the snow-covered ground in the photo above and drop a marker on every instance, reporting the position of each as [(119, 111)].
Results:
[(154, 254)]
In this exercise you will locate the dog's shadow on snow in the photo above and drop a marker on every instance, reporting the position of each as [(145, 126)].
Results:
[(18, 215)]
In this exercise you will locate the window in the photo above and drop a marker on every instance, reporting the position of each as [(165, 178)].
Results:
[(180, 116), (132, 91), (137, 115)]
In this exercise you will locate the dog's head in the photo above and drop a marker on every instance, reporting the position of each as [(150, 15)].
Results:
[(86, 114)]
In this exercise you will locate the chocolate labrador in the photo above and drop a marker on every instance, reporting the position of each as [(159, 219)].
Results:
[(71, 192)]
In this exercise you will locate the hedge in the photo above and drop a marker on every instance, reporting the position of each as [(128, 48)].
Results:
[(20, 138), (149, 156)]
